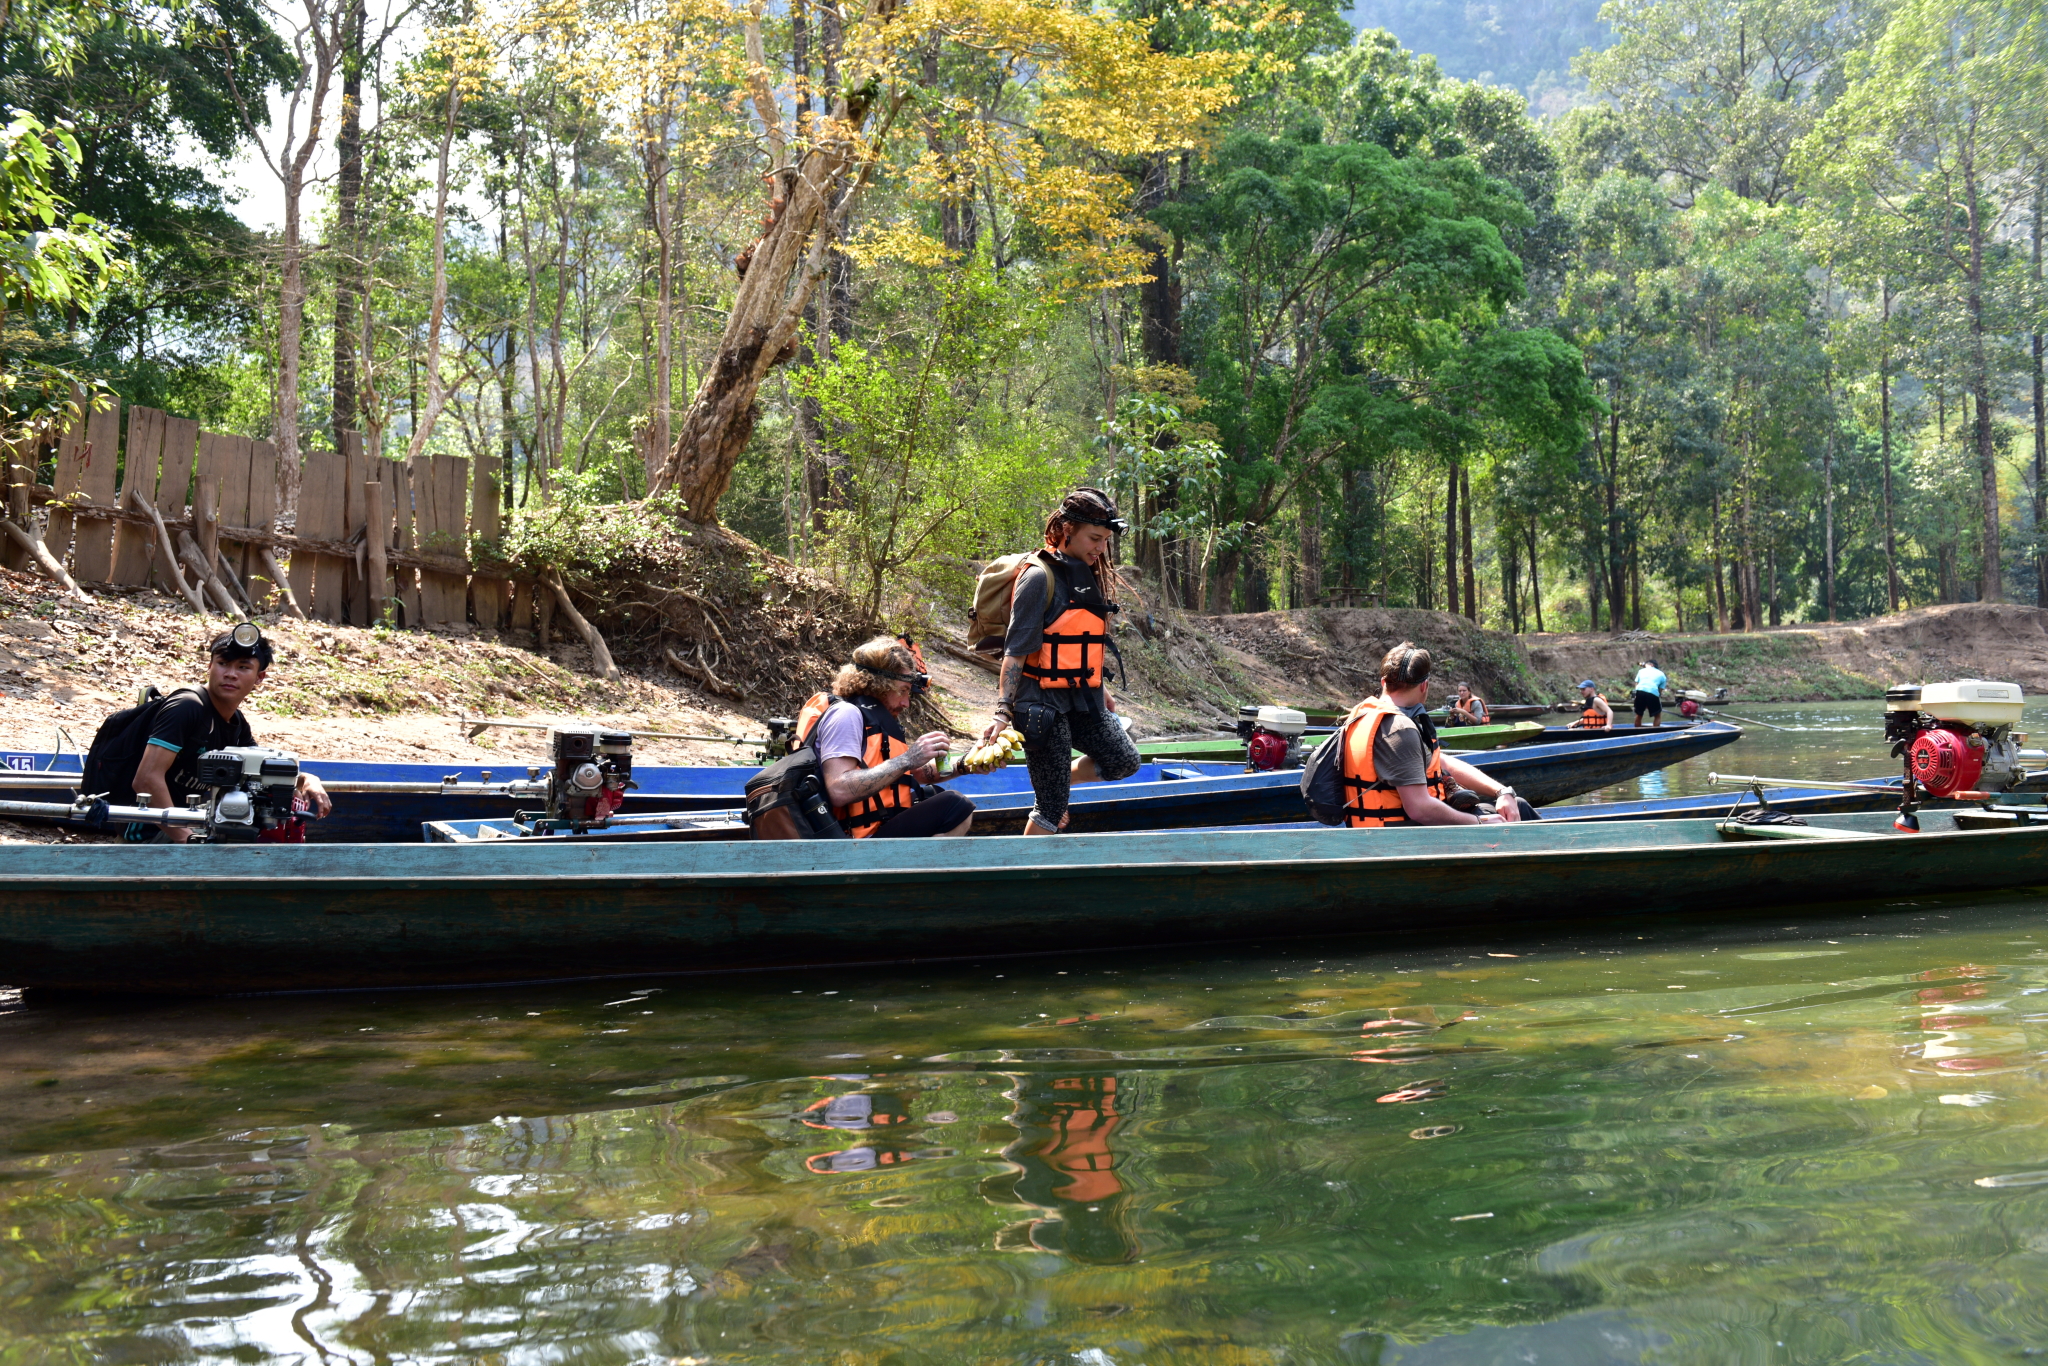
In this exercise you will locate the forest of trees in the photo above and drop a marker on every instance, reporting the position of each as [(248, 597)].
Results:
[(1750, 334)]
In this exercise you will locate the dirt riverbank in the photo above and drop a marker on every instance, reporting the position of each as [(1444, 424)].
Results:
[(1816, 662)]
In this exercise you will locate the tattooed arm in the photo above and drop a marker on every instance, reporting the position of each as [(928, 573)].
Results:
[(846, 782)]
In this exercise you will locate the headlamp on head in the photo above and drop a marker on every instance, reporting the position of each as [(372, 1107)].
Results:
[(244, 641), (920, 681), (1103, 514)]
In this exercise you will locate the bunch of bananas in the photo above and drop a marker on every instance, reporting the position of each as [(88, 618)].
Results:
[(987, 758)]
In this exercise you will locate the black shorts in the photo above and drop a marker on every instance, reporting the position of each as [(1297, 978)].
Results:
[(933, 816), (1649, 702)]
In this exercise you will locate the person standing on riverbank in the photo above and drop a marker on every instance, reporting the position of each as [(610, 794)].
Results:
[(1054, 673), (1649, 693)]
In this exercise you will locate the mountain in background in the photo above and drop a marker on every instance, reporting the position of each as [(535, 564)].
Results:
[(1527, 45)]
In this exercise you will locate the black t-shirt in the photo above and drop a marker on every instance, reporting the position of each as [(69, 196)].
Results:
[(1028, 605), (188, 726)]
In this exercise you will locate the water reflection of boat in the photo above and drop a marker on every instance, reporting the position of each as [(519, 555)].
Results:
[(857, 1110), (866, 1158)]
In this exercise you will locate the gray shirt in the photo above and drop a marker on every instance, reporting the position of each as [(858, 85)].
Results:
[(1027, 631), (1398, 756)]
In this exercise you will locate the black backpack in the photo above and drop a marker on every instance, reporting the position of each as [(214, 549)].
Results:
[(118, 744), (786, 800), (1322, 779)]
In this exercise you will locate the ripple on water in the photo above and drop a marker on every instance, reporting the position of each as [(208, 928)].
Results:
[(1566, 1175)]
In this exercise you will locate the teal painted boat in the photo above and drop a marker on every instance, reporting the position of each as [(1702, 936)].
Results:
[(225, 918), (1227, 751)]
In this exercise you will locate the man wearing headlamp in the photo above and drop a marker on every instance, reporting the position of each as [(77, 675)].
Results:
[(192, 721)]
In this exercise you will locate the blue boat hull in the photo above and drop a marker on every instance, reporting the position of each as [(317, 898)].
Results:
[(1157, 797)]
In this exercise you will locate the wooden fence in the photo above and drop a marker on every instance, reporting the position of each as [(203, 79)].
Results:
[(374, 539)]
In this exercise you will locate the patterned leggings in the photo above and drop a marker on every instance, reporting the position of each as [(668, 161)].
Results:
[(1095, 734)]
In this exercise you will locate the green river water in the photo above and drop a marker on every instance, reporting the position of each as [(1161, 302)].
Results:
[(1787, 1135)]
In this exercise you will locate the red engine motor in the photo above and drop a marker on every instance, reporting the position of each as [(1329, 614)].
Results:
[(1272, 737), (1267, 751), (1946, 759)]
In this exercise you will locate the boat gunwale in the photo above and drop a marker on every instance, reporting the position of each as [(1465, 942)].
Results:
[(1491, 854)]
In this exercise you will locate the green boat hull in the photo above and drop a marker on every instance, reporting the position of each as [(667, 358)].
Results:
[(1232, 750), (209, 919)]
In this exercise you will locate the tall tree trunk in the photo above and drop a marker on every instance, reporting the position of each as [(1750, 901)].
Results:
[(1159, 295), (437, 311), (1884, 428), (1752, 595), (1993, 576), (1451, 542), (1535, 584), (1720, 583), (810, 204), (1465, 535), (1612, 492), (1510, 567), (508, 358), (349, 292), (1827, 478), (957, 226), (1777, 617), (2040, 408), (1311, 554), (1635, 586), (657, 168), (1223, 581)]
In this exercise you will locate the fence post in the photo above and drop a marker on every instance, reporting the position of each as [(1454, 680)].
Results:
[(377, 526)]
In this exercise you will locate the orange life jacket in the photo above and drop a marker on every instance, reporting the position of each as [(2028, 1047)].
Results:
[(882, 739), (1076, 632), (1372, 801), (1591, 718)]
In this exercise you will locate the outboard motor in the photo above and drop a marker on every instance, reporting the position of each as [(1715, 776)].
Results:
[(1954, 738), (250, 795), (593, 772), (1275, 739)]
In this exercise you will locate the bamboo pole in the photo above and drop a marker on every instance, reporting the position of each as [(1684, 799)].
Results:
[(284, 586), (45, 561), (166, 558), (188, 551)]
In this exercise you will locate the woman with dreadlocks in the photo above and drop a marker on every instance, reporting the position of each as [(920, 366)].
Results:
[(1053, 675)]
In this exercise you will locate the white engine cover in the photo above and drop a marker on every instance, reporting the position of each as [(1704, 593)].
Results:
[(1966, 699), (1282, 720)]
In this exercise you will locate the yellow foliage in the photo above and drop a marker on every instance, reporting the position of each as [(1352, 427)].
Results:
[(1082, 80), (905, 242)]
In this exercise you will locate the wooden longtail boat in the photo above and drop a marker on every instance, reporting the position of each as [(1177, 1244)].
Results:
[(216, 918), (1156, 797), (1505, 711), (1231, 750), (1876, 794)]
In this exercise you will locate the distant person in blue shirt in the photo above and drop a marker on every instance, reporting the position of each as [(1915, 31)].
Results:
[(1650, 685)]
